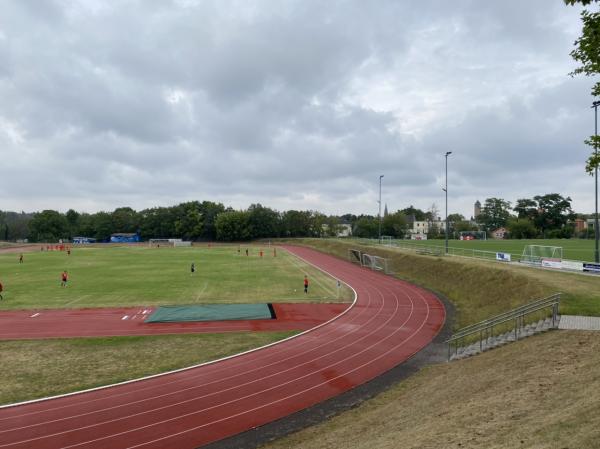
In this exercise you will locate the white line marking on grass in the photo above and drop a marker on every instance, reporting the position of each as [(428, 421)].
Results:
[(34, 315)]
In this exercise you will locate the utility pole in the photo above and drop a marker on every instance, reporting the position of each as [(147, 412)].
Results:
[(446, 190), (595, 105), (380, 178)]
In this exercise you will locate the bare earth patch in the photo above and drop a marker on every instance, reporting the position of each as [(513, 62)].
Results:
[(542, 392)]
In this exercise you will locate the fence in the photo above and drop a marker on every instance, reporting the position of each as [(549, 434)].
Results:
[(516, 317)]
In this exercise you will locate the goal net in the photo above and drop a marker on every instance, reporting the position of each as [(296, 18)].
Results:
[(472, 235), (538, 254), (154, 243), (375, 263), (354, 256), (386, 240)]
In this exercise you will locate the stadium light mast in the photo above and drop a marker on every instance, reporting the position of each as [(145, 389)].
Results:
[(380, 178), (445, 189), (595, 105)]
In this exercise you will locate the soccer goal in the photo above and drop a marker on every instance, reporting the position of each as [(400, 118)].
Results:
[(540, 254), (155, 243), (386, 240), (472, 235), (375, 263)]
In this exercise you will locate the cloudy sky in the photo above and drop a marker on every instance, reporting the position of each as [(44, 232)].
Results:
[(293, 104)]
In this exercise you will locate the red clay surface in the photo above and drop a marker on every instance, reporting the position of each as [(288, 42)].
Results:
[(31, 324), (390, 322)]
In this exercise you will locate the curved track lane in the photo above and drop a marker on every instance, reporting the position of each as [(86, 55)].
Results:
[(390, 321)]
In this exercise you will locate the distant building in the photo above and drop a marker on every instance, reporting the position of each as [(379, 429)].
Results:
[(499, 233), (580, 225), (125, 238), (476, 209), (83, 240)]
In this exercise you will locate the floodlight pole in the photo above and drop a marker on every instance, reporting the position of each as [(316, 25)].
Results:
[(595, 105), (446, 190), (380, 177)]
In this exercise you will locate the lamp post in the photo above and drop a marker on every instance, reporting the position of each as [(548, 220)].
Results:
[(380, 177), (446, 190), (595, 105)]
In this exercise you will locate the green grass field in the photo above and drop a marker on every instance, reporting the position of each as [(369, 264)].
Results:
[(573, 249), (136, 275)]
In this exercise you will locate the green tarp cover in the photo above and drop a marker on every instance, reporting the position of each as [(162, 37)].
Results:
[(211, 312)]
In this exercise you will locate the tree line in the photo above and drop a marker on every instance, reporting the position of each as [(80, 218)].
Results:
[(548, 216), (192, 220)]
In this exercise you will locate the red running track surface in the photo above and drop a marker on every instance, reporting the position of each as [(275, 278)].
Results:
[(130, 321), (390, 322)]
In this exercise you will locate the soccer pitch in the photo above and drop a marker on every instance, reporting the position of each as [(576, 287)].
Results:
[(136, 275), (573, 249)]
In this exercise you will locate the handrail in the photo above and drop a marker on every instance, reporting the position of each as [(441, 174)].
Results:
[(517, 315), (526, 308)]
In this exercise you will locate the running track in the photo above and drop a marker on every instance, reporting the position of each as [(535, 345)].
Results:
[(390, 322), (20, 324)]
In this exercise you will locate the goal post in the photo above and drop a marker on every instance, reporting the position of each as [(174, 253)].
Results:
[(375, 263), (541, 254), (155, 243), (386, 240), (355, 256)]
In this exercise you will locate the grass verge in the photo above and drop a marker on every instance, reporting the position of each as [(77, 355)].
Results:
[(541, 392), (33, 369)]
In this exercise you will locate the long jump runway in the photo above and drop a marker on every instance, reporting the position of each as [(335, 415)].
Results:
[(390, 321), (101, 322)]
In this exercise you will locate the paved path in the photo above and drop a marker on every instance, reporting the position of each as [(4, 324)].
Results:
[(574, 322), (389, 322)]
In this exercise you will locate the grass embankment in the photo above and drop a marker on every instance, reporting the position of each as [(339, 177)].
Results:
[(142, 276), (541, 392), (34, 369), (479, 289)]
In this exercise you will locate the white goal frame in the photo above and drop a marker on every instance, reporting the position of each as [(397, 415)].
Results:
[(375, 263), (537, 254)]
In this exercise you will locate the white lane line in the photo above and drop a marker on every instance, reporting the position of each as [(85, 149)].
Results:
[(125, 317), (34, 315)]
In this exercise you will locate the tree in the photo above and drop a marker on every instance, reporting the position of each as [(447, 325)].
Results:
[(412, 211), (233, 226), (48, 226), (210, 211), (125, 219), (554, 212), (188, 223), (72, 219), (521, 228), (526, 208), (587, 53), (366, 227), (394, 225), (494, 214), (263, 222)]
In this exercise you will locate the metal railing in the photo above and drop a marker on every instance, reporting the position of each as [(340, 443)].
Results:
[(485, 329)]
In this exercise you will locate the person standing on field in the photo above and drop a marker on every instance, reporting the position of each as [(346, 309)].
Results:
[(305, 284), (21, 258), (64, 278), (192, 269), (1, 288)]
